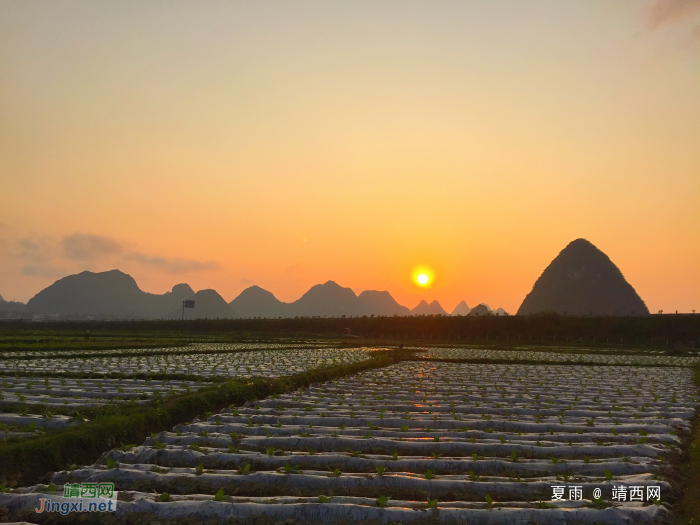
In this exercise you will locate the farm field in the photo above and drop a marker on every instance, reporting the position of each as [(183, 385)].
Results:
[(602, 356), (419, 440), (193, 348), (51, 392), (238, 363)]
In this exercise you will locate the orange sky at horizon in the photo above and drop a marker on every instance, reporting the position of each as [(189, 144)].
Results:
[(287, 144)]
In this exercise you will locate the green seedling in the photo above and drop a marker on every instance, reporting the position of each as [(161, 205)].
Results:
[(429, 474), (164, 497), (324, 499), (608, 475), (382, 500), (335, 473), (395, 456), (489, 501), (110, 463), (380, 470), (432, 503), (199, 469), (290, 469), (219, 496), (514, 455), (244, 470)]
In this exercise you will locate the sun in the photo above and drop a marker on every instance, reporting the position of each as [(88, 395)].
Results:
[(423, 276)]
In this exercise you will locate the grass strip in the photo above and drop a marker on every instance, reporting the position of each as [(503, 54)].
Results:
[(25, 462), (688, 508)]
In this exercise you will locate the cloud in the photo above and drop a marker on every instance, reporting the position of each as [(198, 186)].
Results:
[(50, 257), (38, 270), (695, 33), (171, 265), (666, 11), (34, 251), (86, 247), (28, 244)]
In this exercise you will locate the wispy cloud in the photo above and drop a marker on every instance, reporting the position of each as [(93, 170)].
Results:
[(87, 247), (666, 11), (51, 257), (34, 251), (42, 270), (172, 265)]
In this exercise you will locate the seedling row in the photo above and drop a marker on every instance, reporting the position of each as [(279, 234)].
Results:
[(479, 442)]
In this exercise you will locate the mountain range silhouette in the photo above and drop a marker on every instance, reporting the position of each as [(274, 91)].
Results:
[(581, 280), (115, 295)]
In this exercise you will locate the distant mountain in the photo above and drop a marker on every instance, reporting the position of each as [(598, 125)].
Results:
[(424, 308), (11, 308), (499, 311), (105, 295), (461, 309), (582, 280), (482, 309), (372, 302), (256, 302), (329, 299), (208, 304)]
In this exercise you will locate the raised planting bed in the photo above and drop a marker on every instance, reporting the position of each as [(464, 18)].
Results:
[(238, 364), (192, 348), (564, 355), (79, 393), (481, 443)]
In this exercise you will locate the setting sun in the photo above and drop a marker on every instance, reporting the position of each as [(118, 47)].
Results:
[(423, 277)]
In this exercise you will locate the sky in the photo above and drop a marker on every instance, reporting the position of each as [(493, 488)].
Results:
[(284, 144)]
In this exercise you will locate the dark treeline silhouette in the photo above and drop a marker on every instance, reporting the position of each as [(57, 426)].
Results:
[(656, 330)]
